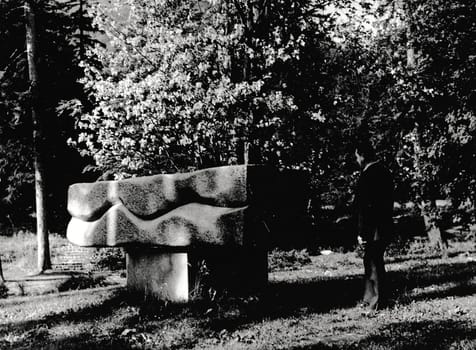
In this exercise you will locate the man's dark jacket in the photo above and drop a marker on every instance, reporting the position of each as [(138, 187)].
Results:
[(374, 203)]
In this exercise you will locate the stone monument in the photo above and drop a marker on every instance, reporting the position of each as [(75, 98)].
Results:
[(169, 224)]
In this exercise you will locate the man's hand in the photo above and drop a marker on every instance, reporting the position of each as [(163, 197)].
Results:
[(361, 241)]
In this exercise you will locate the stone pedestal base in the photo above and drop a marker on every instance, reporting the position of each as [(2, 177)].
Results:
[(158, 274)]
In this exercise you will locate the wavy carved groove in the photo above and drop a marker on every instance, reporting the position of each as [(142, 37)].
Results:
[(188, 225), (215, 206), (150, 197)]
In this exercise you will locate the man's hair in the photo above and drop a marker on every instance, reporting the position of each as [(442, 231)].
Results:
[(365, 149)]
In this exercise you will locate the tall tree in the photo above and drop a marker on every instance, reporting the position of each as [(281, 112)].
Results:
[(187, 84), (44, 261), (2, 279), (411, 80), (58, 66), (427, 203)]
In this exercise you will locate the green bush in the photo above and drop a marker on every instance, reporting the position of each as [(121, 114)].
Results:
[(109, 259), (287, 260), (82, 282)]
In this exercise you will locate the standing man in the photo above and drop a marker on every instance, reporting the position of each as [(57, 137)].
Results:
[(373, 207)]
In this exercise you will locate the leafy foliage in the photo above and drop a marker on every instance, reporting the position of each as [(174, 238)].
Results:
[(287, 260), (180, 85), (188, 86), (407, 78)]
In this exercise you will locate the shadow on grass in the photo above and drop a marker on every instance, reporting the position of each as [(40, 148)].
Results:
[(281, 299), (82, 341), (427, 335), (284, 299), (87, 313), (460, 276), (34, 334)]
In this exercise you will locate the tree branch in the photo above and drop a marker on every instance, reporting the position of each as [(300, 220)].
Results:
[(13, 59), (240, 11), (119, 35)]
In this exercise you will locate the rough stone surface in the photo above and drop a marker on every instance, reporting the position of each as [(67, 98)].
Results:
[(206, 207), (168, 222), (152, 196)]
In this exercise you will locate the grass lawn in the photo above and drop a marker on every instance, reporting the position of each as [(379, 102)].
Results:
[(312, 306)]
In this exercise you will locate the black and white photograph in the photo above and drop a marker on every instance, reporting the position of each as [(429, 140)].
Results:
[(238, 174)]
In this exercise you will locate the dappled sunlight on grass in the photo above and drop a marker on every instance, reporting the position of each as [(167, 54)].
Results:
[(312, 307)]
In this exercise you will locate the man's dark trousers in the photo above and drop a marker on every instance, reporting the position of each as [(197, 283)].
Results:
[(374, 278)]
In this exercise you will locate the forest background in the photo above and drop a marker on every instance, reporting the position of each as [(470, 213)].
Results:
[(139, 87)]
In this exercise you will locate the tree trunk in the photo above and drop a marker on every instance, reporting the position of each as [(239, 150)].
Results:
[(411, 57), (252, 15), (246, 153), (2, 279), (81, 31), (433, 231), (428, 208), (44, 261)]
